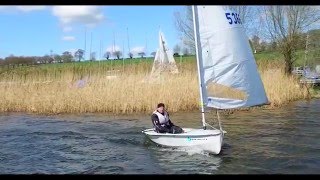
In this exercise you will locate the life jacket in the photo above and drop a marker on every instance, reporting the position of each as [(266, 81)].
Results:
[(163, 119)]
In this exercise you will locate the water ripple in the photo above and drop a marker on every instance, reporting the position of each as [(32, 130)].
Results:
[(281, 141)]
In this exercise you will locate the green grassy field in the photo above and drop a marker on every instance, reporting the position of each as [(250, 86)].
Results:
[(45, 72), (54, 71)]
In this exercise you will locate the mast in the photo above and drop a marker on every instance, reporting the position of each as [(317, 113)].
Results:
[(90, 47), (100, 50), (199, 60), (181, 50), (128, 40), (129, 51), (113, 50), (123, 56), (146, 50), (114, 42), (85, 43)]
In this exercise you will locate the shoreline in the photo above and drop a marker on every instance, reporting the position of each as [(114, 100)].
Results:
[(225, 112)]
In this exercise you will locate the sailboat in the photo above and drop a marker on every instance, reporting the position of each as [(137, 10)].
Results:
[(163, 60), (227, 72)]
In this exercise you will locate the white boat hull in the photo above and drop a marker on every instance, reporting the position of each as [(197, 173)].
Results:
[(207, 140)]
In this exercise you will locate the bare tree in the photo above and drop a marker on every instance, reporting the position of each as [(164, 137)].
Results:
[(47, 59), (263, 46), (255, 43), (107, 55), (18, 60), (184, 25), (184, 22), (141, 54), (130, 54), (284, 25), (58, 58), (117, 54), (248, 16), (79, 54), (67, 56)]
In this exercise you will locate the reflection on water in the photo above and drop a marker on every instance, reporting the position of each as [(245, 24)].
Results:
[(264, 141)]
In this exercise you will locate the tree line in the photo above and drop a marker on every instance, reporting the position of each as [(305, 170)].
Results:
[(65, 57), (33, 60)]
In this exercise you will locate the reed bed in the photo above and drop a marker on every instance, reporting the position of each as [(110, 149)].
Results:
[(121, 88)]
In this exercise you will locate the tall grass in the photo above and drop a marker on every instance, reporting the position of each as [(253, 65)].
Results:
[(51, 89), (280, 88)]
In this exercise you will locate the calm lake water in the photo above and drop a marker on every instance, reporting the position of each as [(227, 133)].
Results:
[(285, 140)]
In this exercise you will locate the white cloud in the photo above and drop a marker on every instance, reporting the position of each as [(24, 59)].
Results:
[(68, 38), (67, 29), (22, 8), (88, 15), (30, 8), (113, 48), (137, 50)]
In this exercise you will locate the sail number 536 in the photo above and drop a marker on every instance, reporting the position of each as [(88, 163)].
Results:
[(233, 18)]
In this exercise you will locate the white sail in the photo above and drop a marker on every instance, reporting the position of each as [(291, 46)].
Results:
[(164, 60), (227, 63)]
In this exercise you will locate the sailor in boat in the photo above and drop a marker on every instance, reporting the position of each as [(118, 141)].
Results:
[(162, 123)]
